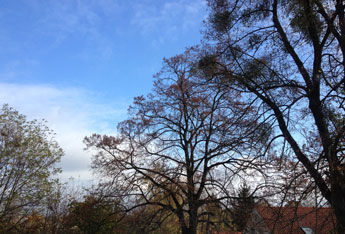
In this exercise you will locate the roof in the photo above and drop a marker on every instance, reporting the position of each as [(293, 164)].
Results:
[(227, 232), (297, 220)]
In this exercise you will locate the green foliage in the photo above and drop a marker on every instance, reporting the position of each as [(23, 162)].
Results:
[(301, 19), (208, 65), (28, 154), (221, 21), (93, 216)]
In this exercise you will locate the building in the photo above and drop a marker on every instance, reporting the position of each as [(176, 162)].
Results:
[(290, 220)]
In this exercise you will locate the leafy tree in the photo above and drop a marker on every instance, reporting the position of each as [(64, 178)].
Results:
[(150, 219), (28, 154), (289, 57), (94, 215), (179, 146)]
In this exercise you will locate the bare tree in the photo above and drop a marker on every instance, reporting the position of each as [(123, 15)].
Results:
[(291, 56), (180, 145)]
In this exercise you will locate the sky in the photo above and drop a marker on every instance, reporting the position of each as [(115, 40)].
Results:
[(79, 63)]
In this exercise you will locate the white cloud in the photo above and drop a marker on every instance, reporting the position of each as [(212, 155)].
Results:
[(71, 113)]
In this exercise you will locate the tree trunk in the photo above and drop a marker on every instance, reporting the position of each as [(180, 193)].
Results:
[(338, 205), (189, 230), (193, 224)]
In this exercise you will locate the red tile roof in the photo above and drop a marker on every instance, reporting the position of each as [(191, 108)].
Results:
[(227, 232), (290, 220)]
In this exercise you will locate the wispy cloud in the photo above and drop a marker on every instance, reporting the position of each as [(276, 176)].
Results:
[(57, 22), (64, 20), (169, 20), (72, 114), (18, 68)]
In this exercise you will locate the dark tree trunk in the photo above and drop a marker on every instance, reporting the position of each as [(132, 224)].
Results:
[(340, 215), (193, 223), (338, 205)]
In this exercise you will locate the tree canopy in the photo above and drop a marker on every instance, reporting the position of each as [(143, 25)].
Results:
[(289, 55), (180, 146), (28, 157)]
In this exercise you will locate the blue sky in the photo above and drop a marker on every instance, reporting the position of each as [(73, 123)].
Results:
[(79, 63)]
